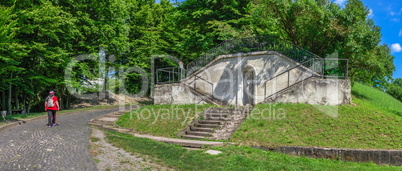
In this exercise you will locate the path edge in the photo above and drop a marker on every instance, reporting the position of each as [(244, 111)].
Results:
[(24, 121)]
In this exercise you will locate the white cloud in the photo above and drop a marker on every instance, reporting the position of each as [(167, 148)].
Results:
[(400, 33), (340, 2), (396, 47), (371, 14), (392, 12)]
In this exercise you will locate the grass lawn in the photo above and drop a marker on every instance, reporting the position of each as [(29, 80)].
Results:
[(377, 98), (232, 158), (33, 115), (161, 120), (373, 122)]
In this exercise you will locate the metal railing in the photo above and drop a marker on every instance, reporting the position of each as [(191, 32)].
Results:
[(176, 74), (308, 69), (244, 45), (204, 88), (335, 68), (206, 82), (169, 75), (313, 68)]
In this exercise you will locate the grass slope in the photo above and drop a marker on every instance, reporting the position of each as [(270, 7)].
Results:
[(232, 158), (377, 98), (373, 122), (162, 120)]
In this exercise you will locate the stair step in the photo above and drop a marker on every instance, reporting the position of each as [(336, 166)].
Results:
[(199, 129), (217, 115), (105, 122), (222, 108), (208, 122), (114, 116), (96, 124), (207, 125), (205, 97), (217, 118), (219, 112), (193, 137), (197, 133)]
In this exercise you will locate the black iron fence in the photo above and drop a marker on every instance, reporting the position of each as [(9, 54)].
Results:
[(325, 67), (169, 75), (175, 74), (244, 45), (335, 68)]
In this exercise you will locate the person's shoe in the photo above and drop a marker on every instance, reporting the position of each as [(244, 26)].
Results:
[(50, 126), (55, 124)]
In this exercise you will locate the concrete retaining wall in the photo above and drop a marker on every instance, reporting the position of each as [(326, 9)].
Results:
[(382, 157), (226, 73), (175, 93), (227, 82), (316, 91)]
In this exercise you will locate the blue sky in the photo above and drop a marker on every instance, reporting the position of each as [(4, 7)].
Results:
[(388, 15)]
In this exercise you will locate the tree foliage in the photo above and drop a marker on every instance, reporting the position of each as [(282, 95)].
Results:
[(39, 38), (395, 89)]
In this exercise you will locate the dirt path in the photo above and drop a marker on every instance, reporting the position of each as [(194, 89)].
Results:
[(108, 157)]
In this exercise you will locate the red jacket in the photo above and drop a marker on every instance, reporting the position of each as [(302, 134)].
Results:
[(55, 107)]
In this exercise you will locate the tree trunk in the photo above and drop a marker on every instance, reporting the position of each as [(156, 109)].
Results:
[(3, 100), (24, 100), (17, 106), (67, 100), (61, 102), (29, 105), (9, 107), (105, 83)]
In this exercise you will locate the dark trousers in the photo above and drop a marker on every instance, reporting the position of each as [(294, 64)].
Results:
[(51, 117)]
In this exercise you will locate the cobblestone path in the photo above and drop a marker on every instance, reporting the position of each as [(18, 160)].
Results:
[(34, 146)]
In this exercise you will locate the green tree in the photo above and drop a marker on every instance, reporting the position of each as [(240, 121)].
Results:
[(45, 32), (323, 28), (11, 53), (395, 89), (368, 60), (209, 22)]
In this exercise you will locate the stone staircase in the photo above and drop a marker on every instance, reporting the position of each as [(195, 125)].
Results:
[(108, 121), (205, 96), (213, 122)]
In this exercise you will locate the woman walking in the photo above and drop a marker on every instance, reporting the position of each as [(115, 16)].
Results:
[(51, 106)]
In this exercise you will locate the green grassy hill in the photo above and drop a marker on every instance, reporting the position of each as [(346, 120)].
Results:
[(161, 120), (372, 121)]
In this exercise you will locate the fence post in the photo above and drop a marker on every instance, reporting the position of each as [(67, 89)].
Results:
[(265, 90), (347, 68), (212, 90), (169, 76), (195, 82), (157, 78), (323, 68)]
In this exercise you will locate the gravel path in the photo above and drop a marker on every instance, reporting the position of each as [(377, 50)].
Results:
[(109, 157), (34, 146)]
